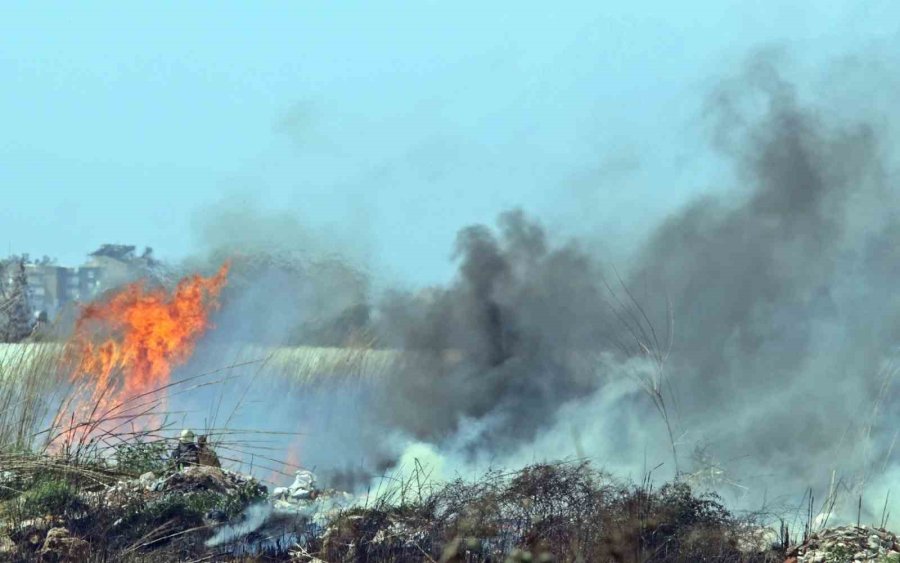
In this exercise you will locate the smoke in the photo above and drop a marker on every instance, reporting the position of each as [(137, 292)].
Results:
[(784, 315), (288, 280), (516, 324), (780, 291), (750, 340), (289, 285), (251, 519), (240, 223)]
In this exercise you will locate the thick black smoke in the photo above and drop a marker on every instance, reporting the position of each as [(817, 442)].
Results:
[(504, 344)]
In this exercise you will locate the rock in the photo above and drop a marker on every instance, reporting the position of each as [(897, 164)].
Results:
[(198, 478), (147, 480), (217, 515), (30, 533), (60, 546), (8, 548), (149, 488)]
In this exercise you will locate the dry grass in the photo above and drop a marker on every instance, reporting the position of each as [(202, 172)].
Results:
[(55, 467), (30, 378), (300, 363), (305, 363), (563, 512), (545, 512)]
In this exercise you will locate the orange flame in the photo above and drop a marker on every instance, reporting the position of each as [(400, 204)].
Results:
[(293, 457), (285, 472), (126, 346)]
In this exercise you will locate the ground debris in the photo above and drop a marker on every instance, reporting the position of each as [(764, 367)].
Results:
[(545, 512), (303, 498), (848, 544), (199, 478), (53, 519)]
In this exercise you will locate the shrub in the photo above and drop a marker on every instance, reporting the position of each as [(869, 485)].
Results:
[(139, 457), (563, 512), (50, 496)]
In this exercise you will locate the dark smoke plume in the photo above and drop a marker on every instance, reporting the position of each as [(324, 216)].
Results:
[(782, 292), (785, 315), (504, 342)]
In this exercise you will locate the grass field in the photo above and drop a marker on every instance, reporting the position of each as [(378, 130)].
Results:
[(302, 363)]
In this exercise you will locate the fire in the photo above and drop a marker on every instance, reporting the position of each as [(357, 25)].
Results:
[(287, 468), (126, 346), (292, 463)]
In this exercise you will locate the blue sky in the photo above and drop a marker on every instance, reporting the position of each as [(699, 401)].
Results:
[(388, 124)]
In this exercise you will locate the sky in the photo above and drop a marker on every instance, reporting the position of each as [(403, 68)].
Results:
[(387, 124)]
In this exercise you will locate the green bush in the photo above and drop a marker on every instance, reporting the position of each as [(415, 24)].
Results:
[(51, 496), (172, 512), (184, 510), (187, 507), (140, 457)]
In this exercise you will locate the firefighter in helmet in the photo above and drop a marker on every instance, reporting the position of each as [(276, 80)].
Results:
[(186, 453)]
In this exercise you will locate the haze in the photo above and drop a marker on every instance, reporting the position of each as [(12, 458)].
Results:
[(386, 125)]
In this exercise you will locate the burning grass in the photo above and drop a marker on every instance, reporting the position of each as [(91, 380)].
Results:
[(126, 346)]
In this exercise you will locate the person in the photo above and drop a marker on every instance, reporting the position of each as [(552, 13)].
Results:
[(205, 454), (186, 453)]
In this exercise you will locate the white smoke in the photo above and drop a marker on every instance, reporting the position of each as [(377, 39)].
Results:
[(250, 520)]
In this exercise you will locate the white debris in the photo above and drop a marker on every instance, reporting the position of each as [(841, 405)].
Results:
[(302, 498), (303, 487)]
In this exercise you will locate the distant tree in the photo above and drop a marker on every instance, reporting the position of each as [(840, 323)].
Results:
[(15, 309)]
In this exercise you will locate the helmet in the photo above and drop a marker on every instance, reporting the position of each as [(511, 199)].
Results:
[(187, 435)]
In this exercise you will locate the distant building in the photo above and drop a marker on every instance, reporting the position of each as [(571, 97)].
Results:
[(116, 262), (51, 287)]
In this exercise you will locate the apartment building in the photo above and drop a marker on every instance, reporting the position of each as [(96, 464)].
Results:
[(51, 287)]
